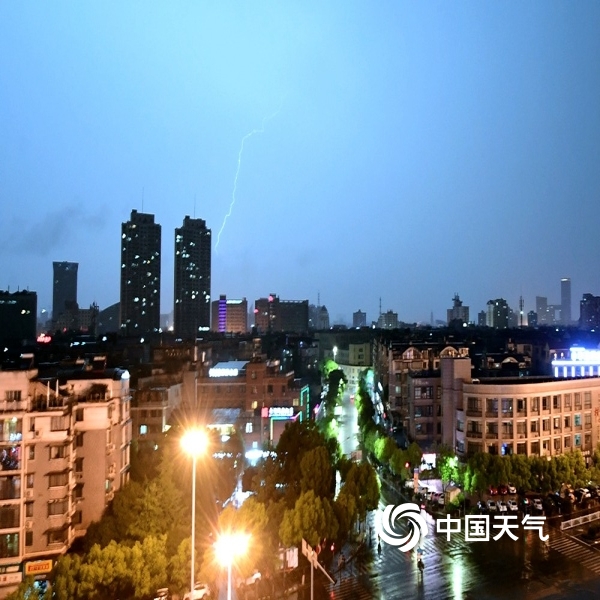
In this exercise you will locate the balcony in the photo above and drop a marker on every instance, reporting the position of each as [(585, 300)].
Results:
[(491, 435), (474, 412), (474, 434), (491, 414)]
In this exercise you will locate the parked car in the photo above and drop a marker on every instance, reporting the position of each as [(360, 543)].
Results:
[(512, 505), (491, 505), (502, 506), (492, 491), (503, 490), (201, 590), (537, 505), (511, 488), (250, 580), (162, 594)]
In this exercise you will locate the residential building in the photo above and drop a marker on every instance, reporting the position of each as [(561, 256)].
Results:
[(18, 312), (64, 451), (140, 275), (533, 416), (458, 313), (497, 314), (272, 314), (388, 320), (318, 318), (589, 308), (64, 289), (192, 278), (359, 319), (565, 301)]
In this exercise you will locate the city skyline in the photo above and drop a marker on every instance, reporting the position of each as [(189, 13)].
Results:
[(364, 155)]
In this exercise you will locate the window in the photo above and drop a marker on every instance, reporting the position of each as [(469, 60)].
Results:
[(521, 407), (567, 441), (79, 440), (568, 401), (557, 444), (29, 538), (507, 429), (58, 536), (143, 429), (535, 448), (58, 452), (58, 479), (492, 405), (59, 423), (269, 389), (588, 419), (588, 441), (248, 427), (58, 507), (31, 452), (507, 405), (545, 424), (545, 403), (79, 465), (522, 428), (79, 415), (577, 420), (460, 426), (9, 545), (12, 395), (587, 399), (577, 400), (556, 402), (29, 509), (460, 446), (577, 440), (535, 404), (30, 481), (535, 426), (77, 518), (473, 404), (567, 421), (254, 405), (556, 423)]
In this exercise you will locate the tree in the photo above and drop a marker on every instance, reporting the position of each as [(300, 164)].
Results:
[(317, 472), (65, 577), (344, 507), (362, 483), (312, 519), (384, 449), (26, 591)]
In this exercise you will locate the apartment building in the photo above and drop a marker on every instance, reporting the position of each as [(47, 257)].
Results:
[(534, 416), (64, 451)]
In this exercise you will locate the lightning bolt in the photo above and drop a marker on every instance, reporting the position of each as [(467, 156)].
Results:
[(237, 172)]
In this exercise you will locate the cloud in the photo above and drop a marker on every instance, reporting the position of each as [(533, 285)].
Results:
[(38, 234)]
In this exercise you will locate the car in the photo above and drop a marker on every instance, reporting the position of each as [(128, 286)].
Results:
[(492, 491), (255, 577), (502, 506), (537, 504), (162, 594), (201, 590), (512, 505), (503, 490), (511, 488), (491, 505), (482, 507)]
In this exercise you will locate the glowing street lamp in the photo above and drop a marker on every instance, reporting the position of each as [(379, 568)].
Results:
[(228, 547), (194, 443)]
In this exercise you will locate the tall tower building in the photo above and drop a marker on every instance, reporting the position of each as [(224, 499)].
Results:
[(192, 278), (565, 300), (140, 275), (64, 288)]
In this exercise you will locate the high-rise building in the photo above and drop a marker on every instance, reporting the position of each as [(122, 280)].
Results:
[(359, 319), (192, 278), (273, 314), (541, 308), (589, 312), (229, 316), (64, 288), (140, 275), (18, 318), (458, 312), (498, 314), (565, 300)]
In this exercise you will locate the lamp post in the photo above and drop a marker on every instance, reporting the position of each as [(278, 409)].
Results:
[(228, 547), (194, 443)]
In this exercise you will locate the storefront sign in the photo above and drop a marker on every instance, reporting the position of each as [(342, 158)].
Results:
[(38, 567), (281, 412)]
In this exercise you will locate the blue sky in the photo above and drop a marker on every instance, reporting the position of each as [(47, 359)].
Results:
[(405, 151)]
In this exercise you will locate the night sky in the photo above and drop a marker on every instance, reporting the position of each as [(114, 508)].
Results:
[(402, 151)]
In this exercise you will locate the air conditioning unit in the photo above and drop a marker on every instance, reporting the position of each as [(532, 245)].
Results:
[(28, 524), (28, 493)]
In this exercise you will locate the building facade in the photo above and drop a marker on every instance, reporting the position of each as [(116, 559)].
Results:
[(359, 319), (273, 314), (18, 320), (229, 316), (140, 275), (64, 288), (192, 278), (64, 451), (458, 312), (565, 301), (589, 311)]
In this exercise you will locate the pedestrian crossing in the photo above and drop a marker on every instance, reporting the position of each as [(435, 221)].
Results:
[(349, 588), (585, 556)]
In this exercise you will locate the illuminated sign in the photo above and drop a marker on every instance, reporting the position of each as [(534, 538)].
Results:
[(44, 339), (223, 372), (37, 567), (281, 412)]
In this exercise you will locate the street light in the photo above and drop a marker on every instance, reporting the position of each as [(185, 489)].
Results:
[(228, 547), (194, 442)]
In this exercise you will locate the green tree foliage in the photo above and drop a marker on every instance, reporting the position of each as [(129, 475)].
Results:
[(312, 518), (317, 472), (346, 513), (384, 449), (25, 591), (398, 462), (65, 577), (363, 484)]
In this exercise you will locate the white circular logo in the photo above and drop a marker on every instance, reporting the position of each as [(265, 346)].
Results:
[(418, 525)]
